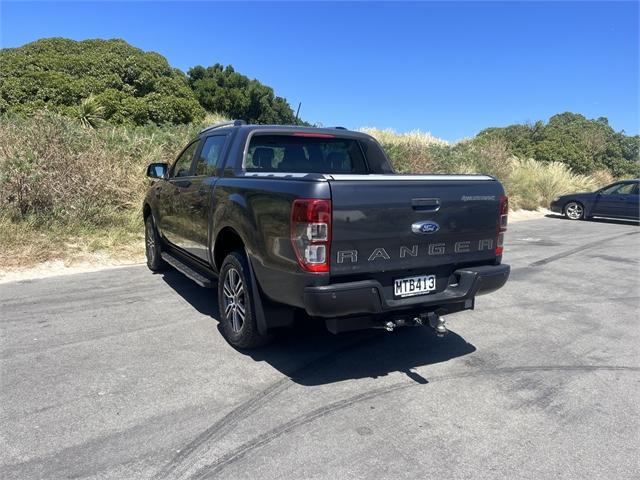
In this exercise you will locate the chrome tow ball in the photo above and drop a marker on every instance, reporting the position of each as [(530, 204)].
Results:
[(437, 323)]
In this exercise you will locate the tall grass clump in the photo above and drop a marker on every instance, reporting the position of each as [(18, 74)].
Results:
[(407, 150), (63, 181), (532, 184)]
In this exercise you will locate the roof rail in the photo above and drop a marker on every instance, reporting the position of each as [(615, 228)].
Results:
[(232, 123), (339, 128)]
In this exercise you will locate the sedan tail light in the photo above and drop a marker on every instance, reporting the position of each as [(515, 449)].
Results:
[(311, 233), (502, 223)]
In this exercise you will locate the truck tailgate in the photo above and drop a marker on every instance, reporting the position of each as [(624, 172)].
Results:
[(454, 219)]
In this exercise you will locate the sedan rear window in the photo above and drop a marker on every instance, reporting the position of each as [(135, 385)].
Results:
[(304, 153)]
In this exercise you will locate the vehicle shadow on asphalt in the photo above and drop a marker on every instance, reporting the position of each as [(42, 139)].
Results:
[(355, 355), (310, 355), (615, 221)]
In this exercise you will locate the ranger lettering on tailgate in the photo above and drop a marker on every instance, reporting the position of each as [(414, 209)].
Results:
[(431, 249)]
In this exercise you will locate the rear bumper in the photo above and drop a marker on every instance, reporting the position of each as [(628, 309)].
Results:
[(366, 297)]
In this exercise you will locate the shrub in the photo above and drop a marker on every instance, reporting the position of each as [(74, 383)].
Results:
[(585, 145), (132, 86), (222, 89)]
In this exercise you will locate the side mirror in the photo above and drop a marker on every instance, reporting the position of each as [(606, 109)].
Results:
[(157, 170)]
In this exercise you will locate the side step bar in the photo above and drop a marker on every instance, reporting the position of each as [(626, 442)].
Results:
[(186, 270)]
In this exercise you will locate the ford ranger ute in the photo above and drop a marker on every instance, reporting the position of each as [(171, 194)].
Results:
[(288, 218)]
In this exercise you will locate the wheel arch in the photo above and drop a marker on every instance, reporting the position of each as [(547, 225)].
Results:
[(146, 211), (226, 241)]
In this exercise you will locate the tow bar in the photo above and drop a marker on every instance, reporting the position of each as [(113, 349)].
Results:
[(431, 319), (437, 323)]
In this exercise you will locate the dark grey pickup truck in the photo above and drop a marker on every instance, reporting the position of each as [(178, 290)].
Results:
[(289, 219)]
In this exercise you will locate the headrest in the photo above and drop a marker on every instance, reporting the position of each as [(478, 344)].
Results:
[(262, 157)]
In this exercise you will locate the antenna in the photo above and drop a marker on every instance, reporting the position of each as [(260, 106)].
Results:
[(298, 111)]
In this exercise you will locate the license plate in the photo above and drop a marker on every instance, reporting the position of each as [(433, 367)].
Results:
[(410, 286)]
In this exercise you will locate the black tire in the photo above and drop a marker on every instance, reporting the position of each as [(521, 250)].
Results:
[(574, 211), (153, 246), (235, 301)]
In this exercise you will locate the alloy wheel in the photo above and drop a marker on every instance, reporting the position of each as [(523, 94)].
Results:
[(234, 299), (150, 242), (574, 211)]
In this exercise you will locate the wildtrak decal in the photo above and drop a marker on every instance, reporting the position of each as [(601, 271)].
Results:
[(475, 198), (431, 249)]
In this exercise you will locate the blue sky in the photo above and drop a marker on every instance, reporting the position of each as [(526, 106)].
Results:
[(448, 68)]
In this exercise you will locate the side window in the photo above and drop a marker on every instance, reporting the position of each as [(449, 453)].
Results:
[(182, 167), (626, 189), (210, 156), (611, 189)]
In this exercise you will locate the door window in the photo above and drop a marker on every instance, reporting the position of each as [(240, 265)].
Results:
[(619, 189), (210, 156), (624, 189), (182, 166)]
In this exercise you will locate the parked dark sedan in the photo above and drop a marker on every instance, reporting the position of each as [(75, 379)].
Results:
[(618, 200)]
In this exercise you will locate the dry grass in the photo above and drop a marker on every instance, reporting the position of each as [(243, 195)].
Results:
[(533, 184), (408, 149)]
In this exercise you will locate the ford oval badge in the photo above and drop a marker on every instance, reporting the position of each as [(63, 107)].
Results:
[(424, 228)]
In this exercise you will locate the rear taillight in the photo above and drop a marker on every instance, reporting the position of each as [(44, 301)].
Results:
[(502, 223), (311, 233)]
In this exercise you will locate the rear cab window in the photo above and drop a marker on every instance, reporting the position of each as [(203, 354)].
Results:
[(305, 153)]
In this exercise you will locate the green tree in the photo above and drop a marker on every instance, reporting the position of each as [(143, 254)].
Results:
[(584, 145), (222, 90), (128, 85)]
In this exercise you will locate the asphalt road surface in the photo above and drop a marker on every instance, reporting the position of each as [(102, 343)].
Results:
[(123, 374)]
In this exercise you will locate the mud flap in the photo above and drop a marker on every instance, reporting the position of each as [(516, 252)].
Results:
[(268, 315), (256, 300)]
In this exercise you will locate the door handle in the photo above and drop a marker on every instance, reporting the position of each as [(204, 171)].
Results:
[(425, 204)]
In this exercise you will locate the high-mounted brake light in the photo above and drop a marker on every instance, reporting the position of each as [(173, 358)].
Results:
[(502, 223), (311, 233), (313, 135)]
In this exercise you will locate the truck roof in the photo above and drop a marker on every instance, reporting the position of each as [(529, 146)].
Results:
[(241, 125)]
